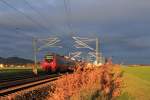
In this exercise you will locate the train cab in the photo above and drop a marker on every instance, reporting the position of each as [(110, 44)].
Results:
[(49, 63)]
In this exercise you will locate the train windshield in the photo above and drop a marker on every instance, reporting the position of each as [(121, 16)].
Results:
[(49, 57)]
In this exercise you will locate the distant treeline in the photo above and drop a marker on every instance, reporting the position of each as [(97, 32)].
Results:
[(138, 65)]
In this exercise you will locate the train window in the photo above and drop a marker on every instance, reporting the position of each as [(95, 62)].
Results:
[(49, 58)]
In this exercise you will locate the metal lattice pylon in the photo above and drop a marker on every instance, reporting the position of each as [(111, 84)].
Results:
[(75, 55), (83, 42)]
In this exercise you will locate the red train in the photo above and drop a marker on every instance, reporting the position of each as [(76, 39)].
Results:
[(55, 63)]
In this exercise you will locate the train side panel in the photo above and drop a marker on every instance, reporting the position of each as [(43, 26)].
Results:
[(61, 64)]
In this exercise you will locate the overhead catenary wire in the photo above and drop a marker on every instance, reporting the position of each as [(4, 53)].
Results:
[(35, 10), (28, 35), (18, 29), (67, 9), (68, 18), (25, 15)]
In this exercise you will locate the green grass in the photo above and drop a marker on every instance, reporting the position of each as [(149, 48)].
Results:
[(136, 83), (16, 70), (140, 72)]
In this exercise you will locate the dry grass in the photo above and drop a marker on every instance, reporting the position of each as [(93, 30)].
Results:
[(86, 84), (111, 81), (72, 84)]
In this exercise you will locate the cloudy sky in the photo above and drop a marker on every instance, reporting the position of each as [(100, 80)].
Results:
[(123, 26)]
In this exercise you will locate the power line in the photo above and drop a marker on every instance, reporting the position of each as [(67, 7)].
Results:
[(35, 10), (68, 13), (28, 17), (18, 30)]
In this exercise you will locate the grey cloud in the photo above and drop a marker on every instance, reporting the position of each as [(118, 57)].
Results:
[(122, 25)]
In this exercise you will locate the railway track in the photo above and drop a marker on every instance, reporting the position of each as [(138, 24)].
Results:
[(18, 77), (14, 86), (15, 78)]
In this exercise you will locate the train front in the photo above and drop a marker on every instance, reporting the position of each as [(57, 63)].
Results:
[(49, 63)]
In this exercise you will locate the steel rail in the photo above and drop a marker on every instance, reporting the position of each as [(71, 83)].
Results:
[(17, 87), (16, 82)]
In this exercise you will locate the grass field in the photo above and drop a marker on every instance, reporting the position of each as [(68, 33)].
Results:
[(136, 83)]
